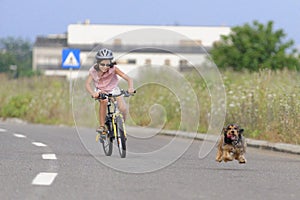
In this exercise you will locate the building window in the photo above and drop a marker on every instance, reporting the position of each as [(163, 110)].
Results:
[(167, 62), (183, 63), (148, 62), (189, 43), (131, 61), (117, 42)]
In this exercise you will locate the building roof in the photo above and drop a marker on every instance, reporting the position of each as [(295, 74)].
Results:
[(90, 34), (51, 41), (136, 38)]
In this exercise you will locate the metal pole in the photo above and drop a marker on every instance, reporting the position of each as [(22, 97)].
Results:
[(70, 86)]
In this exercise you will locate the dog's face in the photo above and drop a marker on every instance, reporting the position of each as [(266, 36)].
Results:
[(232, 132)]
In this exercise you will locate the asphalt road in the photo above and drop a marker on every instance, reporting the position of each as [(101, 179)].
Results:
[(50, 162)]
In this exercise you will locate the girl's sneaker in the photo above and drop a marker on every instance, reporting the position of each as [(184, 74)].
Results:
[(101, 132)]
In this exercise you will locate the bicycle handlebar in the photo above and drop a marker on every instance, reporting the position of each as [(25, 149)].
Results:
[(123, 92)]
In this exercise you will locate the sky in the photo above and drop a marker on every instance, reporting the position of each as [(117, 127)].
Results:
[(31, 18)]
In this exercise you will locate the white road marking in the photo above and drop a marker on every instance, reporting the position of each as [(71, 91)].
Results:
[(44, 178), (50, 156), (39, 144), (19, 135)]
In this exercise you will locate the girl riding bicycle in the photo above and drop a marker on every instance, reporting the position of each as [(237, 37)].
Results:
[(104, 73)]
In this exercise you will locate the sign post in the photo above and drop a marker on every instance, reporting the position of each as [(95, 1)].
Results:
[(70, 60)]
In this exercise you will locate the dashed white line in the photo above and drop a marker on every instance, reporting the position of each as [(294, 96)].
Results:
[(19, 135), (39, 144), (50, 156), (44, 178)]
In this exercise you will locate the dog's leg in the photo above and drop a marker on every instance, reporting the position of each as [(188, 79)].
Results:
[(242, 159), (227, 156), (226, 153), (219, 151), (240, 156), (219, 156)]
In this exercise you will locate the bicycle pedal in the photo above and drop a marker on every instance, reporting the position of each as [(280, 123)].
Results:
[(103, 136)]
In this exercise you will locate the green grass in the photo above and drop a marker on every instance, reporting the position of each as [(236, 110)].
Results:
[(266, 104), (37, 100)]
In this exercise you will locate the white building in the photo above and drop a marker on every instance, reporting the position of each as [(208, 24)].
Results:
[(133, 46)]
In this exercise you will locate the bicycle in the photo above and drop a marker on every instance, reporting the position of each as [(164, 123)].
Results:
[(115, 125)]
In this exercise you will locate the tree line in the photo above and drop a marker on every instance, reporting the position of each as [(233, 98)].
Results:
[(252, 47), (16, 56)]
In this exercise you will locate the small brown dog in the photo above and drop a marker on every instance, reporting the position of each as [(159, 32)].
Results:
[(232, 145)]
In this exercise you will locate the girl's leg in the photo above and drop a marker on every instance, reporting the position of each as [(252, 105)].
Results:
[(122, 106), (102, 112)]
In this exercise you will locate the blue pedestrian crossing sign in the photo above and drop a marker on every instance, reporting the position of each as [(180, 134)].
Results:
[(70, 59)]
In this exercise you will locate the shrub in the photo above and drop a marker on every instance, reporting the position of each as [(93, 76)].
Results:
[(17, 106)]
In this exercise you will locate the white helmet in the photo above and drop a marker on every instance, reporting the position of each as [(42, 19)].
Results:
[(104, 54)]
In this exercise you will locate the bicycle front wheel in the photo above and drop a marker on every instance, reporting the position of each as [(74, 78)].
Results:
[(121, 135), (107, 144)]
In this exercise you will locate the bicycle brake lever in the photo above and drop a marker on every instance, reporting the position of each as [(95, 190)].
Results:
[(127, 94)]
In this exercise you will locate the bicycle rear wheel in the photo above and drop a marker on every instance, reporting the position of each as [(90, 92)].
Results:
[(121, 136)]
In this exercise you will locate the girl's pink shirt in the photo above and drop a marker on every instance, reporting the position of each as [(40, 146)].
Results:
[(105, 82)]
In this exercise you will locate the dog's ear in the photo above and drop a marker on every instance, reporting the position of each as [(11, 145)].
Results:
[(241, 131), (224, 131)]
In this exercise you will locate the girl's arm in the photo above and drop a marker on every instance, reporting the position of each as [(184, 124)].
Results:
[(127, 78), (88, 87)]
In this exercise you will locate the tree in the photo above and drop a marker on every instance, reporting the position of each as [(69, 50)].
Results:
[(6, 60), (15, 51), (255, 47)]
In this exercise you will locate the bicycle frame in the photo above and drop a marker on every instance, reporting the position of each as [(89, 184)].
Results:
[(112, 115)]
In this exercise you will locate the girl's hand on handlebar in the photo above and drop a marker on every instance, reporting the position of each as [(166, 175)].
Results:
[(95, 95), (131, 90)]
